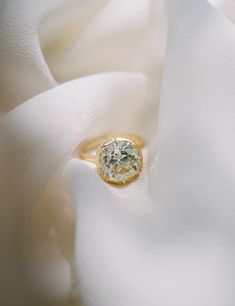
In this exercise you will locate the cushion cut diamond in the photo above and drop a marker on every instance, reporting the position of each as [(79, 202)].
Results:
[(120, 161)]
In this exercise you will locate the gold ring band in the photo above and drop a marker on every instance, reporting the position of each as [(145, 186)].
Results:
[(118, 158)]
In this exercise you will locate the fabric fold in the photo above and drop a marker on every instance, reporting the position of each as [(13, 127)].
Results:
[(45, 130)]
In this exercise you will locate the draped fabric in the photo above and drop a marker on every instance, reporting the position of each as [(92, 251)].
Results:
[(73, 70)]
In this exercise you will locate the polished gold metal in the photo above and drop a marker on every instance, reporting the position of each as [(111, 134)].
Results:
[(91, 150)]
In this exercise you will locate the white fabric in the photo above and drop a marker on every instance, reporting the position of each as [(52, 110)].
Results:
[(24, 72), (225, 6), (180, 253), (168, 238)]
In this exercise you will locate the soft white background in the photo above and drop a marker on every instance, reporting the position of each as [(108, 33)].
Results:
[(71, 70)]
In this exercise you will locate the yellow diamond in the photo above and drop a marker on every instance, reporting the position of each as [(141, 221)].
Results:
[(119, 161)]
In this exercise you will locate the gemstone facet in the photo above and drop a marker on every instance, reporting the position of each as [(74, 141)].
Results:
[(119, 161)]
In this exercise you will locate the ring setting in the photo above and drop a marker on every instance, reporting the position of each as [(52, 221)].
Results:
[(118, 159)]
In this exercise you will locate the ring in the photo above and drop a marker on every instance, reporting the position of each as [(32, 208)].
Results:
[(118, 159)]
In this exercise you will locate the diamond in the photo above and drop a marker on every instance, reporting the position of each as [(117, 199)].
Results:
[(119, 161)]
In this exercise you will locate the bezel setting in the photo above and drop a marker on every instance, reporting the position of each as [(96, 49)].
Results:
[(119, 161)]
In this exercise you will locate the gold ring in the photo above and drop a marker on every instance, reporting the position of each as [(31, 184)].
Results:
[(118, 159)]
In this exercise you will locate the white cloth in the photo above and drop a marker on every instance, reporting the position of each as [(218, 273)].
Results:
[(168, 238)]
